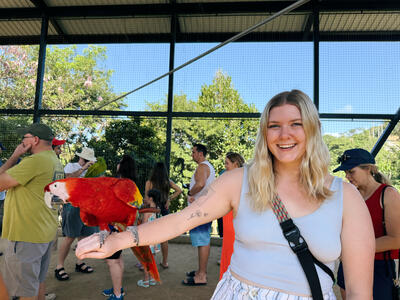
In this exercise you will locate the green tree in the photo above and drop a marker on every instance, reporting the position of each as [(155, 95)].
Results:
[(219, 135), (130, 137), (388, 158), (72, 81)]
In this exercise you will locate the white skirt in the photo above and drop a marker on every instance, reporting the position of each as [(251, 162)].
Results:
[(230, 288)]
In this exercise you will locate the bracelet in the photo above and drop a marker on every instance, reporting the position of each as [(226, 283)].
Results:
[(135, 234)]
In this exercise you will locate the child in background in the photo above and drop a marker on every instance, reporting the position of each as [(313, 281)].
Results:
[(152, 199)]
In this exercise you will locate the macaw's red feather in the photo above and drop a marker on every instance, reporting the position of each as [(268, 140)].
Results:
[(107, 200), (103, 200), (146, 258)]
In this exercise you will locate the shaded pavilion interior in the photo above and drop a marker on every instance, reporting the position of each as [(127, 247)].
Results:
[(45, 22)]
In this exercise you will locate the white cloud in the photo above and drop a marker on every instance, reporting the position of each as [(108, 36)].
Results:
[(346, 109)]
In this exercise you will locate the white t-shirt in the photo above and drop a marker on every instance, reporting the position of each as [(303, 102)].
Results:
[(73, 167)]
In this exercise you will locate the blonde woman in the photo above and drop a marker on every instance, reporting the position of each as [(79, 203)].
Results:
[(290, 161), (374, 187)]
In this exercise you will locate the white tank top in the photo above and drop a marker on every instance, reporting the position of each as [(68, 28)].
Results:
[(262, 254), (210, 178)]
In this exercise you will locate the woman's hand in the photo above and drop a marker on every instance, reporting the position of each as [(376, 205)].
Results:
[(90, 247)]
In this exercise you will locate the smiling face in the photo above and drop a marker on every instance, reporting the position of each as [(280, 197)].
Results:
[(285, 136)]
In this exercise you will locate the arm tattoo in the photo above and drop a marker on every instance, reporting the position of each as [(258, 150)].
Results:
[(135, 234), (197, 214)]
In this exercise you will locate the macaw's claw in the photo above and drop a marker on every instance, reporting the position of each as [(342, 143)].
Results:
[(102, 236)]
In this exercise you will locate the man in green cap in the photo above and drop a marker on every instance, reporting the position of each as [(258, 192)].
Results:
[(29, 225)]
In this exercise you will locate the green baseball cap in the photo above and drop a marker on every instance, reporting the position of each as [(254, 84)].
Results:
[(42, 131)]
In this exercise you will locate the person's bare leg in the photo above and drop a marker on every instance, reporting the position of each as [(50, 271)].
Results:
[(42, 291), (204, 253), (116, 267), (63, 251), (164, 251), (3, 289)]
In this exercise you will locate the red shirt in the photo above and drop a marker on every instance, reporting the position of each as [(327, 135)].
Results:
[(376, 212)]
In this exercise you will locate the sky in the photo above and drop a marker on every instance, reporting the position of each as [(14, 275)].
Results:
[(355, 77)]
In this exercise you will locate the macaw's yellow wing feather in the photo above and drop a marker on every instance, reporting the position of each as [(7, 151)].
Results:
[(124, 189)]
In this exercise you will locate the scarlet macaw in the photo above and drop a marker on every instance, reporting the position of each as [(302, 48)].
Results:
[(105, 201)]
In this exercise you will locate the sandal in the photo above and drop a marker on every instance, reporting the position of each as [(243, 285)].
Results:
[(152, 282), (83, 268), (143, 283), (191, 273), (191, 282), (164, 266), (60, 274)]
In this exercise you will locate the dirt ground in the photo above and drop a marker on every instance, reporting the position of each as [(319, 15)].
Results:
[(182, 258)]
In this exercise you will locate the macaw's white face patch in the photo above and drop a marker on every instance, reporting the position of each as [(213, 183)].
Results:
[(58, 189)]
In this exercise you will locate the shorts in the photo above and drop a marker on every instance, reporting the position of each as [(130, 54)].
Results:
[(383, 274), (25, 267), (72, 225), (116, 255), (230, 288), (200, 235), (164, 211)]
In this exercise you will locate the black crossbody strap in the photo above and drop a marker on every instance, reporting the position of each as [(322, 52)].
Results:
[(324, 267), (299, 246)]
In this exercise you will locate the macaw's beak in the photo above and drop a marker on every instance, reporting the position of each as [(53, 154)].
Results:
[(47, 198)]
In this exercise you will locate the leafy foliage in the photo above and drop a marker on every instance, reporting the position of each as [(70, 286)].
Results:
[(219, 135), (72, 81), (130, 137), (388, 158)]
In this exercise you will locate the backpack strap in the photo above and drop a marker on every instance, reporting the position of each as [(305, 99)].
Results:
[(299, 246)]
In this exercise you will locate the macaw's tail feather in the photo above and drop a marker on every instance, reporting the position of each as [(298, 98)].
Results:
[(146, 258)]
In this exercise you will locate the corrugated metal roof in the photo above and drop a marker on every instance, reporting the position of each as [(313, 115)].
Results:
[(287, 23), (360, 22), (116, 26), (13, 3), (91, 20), (101, 2)]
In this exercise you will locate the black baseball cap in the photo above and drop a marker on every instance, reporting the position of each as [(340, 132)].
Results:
[(353, 158), (42, 131), (2, 147)]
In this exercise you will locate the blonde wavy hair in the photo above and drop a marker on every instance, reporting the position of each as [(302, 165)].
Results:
[(315, 162), (378, 176)]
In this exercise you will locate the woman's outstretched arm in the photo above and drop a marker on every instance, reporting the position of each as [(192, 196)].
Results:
[(221, 196)]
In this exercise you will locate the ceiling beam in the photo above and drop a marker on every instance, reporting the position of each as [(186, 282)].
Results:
[(104, 11), (307, 27), (205, 37), (42, 5)]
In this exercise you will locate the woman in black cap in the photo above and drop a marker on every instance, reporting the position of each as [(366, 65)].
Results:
[(383, 202)]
